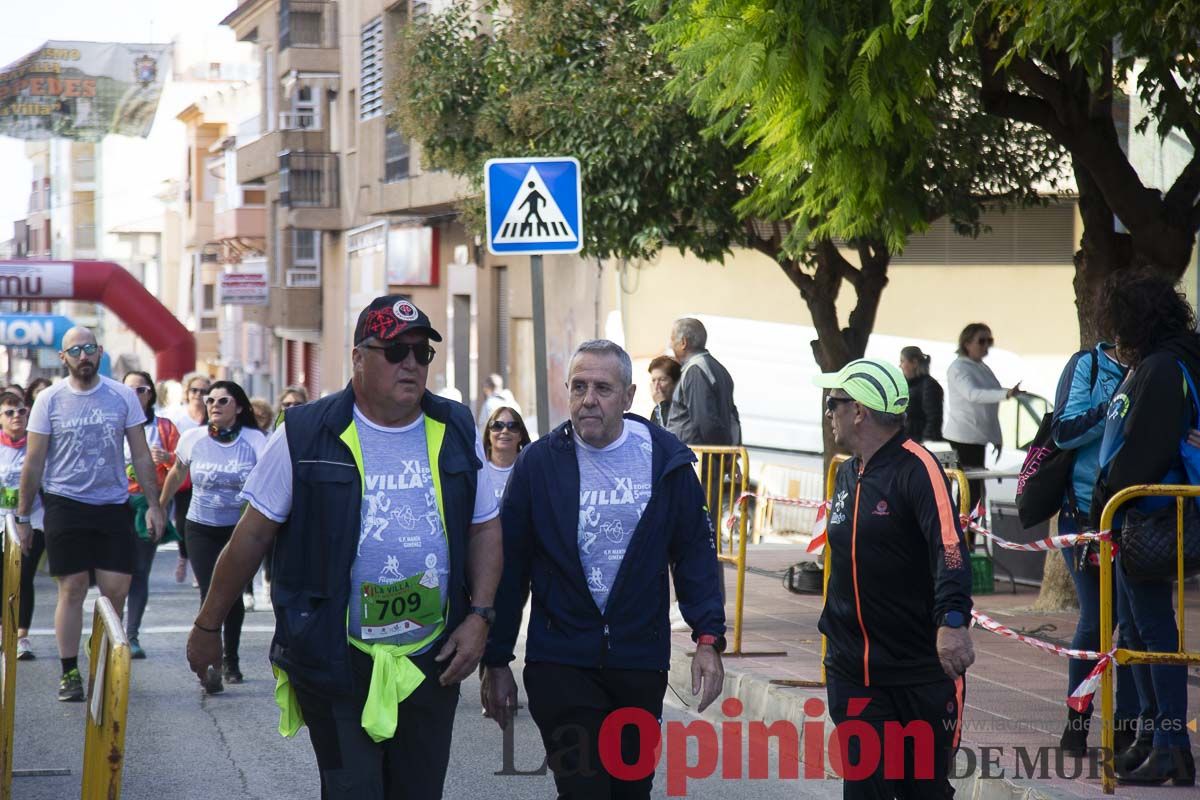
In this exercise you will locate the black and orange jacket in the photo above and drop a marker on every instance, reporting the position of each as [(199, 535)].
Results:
[(898, 562)]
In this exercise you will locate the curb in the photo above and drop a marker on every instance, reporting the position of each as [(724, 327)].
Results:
[(764, 701)]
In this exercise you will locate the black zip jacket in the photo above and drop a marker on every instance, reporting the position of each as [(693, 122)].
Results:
[(1156, 412), (923, 420), (898, 563)]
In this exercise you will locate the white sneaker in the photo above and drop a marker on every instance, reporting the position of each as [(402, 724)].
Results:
[(24, 649), (248, 601)]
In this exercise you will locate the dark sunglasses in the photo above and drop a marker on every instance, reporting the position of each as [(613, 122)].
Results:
[(988, 340), (396, 353), (75, 351), (831, 403), (15, 412), (141, 389), (500, 425), (290, 404), (198, 390), (218, 402)]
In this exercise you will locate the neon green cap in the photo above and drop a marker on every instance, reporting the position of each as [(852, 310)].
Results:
[(876, 384)]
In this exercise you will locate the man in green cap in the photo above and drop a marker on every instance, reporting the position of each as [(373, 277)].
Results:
[(899, 599)]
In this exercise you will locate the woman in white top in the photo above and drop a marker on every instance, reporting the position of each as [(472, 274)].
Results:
[(218, 459), (973, 402), (192, 414), (503, 437)]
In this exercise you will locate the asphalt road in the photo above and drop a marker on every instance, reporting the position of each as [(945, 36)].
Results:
[(181, 744)]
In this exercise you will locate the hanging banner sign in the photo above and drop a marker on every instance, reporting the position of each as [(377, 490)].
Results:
[(19, 280), (246, 288), (83, 90)]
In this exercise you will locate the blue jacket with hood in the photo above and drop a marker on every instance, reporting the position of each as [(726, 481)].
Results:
[(540, 517), (1080, 409)]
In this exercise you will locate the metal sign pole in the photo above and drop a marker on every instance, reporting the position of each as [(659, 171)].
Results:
[(539, 345)]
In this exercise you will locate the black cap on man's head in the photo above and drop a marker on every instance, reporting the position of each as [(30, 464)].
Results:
[(389, 316)]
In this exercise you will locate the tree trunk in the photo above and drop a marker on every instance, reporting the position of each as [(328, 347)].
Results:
[(1058, 590), (836, 346)]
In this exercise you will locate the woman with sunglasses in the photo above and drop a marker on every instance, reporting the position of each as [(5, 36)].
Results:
[(504, 436), (974, 395), (189, 416), (14, 416), (217, 459), (163, 437)]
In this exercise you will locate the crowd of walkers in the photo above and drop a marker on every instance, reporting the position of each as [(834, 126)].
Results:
[(406, 535)]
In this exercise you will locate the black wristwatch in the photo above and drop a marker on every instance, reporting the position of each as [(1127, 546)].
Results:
[(487, 612), (953, 619)]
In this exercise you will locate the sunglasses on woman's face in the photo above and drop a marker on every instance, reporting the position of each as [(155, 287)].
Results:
[(218, 402), (15, 412), (141, 389), (500, 425), (987, 340)]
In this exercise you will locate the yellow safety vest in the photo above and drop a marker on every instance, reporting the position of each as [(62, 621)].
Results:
[(393, 675)]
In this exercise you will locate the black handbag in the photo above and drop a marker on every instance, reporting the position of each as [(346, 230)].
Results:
[(1148, 544), (1045, 477), (1046, 474)]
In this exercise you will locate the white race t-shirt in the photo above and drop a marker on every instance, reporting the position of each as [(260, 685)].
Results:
[(400, 532), (499, 477), (86, 458), (182, 419), (614, 488), (12, 459), (218, 471)]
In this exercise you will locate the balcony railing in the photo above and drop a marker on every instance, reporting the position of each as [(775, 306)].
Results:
[(309, 120), (308, 180), (307, 23)]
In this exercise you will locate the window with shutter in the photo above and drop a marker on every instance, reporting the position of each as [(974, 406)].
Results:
[(370, 97)]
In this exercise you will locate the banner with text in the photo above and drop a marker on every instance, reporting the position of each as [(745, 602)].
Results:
[(83, 90)]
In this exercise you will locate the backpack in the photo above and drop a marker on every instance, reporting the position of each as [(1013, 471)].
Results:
[(1045, 476)]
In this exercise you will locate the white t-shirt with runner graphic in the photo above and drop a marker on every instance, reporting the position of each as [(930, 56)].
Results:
[(614, 488), (218, 471), (86, 458), (401, 538), (12, 459)]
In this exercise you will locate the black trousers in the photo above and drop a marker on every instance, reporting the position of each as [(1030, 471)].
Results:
[(936, 706), (205, 543), (409, 766), (183, 502), (569, 704)]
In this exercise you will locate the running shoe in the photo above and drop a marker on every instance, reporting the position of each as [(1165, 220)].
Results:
[(135, 649), (212, 681), (24, 649), (233, 673), (181, 570), (70, 688)]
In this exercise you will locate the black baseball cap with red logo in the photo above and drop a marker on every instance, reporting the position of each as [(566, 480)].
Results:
[(389, 316)]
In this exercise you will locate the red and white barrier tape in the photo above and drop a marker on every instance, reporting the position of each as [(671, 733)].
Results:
[(1081, 698), (1041, 545)]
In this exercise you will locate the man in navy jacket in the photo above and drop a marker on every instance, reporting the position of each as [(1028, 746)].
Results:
[(596, 517)]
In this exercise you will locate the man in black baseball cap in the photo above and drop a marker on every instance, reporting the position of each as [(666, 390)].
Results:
[(387, 555), (387, 317)]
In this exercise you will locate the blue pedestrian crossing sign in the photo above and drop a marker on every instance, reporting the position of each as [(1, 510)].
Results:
[(534, 206)]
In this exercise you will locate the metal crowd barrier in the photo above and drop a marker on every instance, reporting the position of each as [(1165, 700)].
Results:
[(1122, 656), (964, 507), (108, 702), (11, 603), (725, 475)]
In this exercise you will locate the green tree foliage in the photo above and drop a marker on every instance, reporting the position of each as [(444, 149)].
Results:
[(1062, 66), (570, 77)]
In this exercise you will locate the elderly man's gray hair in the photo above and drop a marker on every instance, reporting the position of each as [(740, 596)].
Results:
[(606, 347), (691, 329)]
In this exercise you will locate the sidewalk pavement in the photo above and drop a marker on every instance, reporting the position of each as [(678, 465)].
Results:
[(1015, 695)]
